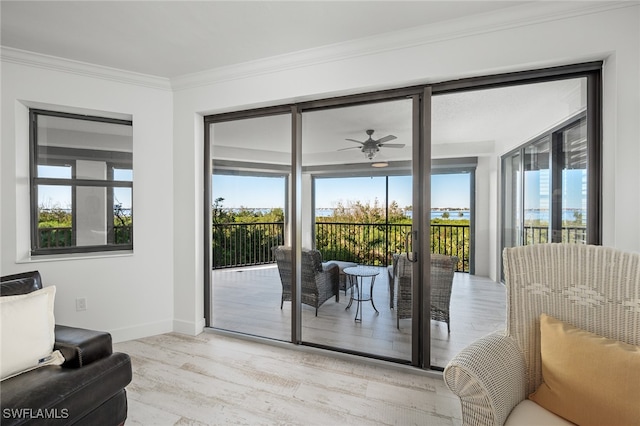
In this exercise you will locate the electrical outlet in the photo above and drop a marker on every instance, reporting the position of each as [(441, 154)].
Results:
[(81, 304)]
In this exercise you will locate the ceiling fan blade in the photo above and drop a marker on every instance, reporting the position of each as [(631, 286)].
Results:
[(391, 145), (351, 147), (353, 140), (386, 139)]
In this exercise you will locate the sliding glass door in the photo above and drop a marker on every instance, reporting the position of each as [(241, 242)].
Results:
[(249, 176), (313, 225), (545, 186), (318, 215), (358, 226)]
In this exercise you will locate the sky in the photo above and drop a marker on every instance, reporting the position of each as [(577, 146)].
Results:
[(537, 194), (51, 196), (447, 191)]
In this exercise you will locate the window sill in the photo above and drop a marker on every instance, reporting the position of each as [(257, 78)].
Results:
[(75, 256)]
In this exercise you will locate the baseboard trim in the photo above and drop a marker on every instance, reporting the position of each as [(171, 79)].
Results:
[(188, 327), (141, 330)]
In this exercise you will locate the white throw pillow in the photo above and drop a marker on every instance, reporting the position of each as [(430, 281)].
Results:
[(27, 332)]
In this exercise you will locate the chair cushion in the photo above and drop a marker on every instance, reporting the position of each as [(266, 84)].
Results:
[(587, 379), (27, 331), (528, 413), (344, 284), (341, 264)]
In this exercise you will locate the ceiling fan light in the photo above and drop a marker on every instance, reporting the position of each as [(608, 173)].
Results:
[(380, 164), (370, 152)]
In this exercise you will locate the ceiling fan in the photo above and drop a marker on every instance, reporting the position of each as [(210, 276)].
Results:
[(371, 146)]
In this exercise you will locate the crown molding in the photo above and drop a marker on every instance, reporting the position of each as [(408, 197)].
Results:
[(532, 13), (54, 63)]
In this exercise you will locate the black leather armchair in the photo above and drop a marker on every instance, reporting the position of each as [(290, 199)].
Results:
[(87, 389)]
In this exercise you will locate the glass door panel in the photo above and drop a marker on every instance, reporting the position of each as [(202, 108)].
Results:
[(250, 163), (356, 161), (550, 204), (537, 184), (450, 216), (574, 183), (450, 243), (480, 123), (511, 201)]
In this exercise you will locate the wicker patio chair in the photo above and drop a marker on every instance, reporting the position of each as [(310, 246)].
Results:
[(591, 287), (319, 283), (442, 271)]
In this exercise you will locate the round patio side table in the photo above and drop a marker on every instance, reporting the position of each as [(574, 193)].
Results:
[(356, 275)]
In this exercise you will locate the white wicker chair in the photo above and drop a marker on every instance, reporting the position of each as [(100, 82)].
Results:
[(591, 287)]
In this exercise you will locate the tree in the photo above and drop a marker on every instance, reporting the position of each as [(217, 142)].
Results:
[(577, 217), (218, 215), (120, 216), (53, 217)]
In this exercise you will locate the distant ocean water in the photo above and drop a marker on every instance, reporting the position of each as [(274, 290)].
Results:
[(530, 214), (543, 214), (453, 214)]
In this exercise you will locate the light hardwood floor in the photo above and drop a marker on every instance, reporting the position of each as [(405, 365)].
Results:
[(247, 300), (213, 379)]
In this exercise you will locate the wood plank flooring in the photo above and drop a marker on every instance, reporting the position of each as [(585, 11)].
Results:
[(213, 379), (247, 300)]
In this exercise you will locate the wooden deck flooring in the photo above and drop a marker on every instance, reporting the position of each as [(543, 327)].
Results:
[(247, 300)]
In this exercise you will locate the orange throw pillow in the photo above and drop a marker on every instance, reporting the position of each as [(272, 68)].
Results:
[(588, 379)]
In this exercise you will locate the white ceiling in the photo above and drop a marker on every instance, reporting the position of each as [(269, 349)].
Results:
[(177, 38), (174, 38)]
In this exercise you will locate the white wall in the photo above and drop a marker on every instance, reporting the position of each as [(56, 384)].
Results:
[(551, 34), (128, 295)]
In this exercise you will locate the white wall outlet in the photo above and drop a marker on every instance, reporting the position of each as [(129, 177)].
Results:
[(81, 304)]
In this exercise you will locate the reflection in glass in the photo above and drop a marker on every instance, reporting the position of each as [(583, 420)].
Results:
[(249, 185), (550, 205), (537, 185), (61, 172), (78, 159), (519, 120), (574, 184), (125, 175), (122, 218), (55, 219), (512, 201)]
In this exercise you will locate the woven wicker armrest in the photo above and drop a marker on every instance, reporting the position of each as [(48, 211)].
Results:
[(489, 377), (327, 266)]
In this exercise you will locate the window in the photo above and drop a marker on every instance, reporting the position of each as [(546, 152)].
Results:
[(81, 183), (546, 188)]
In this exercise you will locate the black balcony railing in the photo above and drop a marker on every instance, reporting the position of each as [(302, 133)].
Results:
[(540, 234), (55, 237), (245, 244), (452, 240), (63, 236), (363, 243)]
